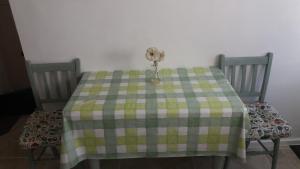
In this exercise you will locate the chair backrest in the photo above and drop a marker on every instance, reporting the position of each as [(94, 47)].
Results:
[(53, 82), (249, 76)]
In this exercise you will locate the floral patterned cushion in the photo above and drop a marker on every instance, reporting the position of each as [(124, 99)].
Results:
[(266, 123), (42, 129)]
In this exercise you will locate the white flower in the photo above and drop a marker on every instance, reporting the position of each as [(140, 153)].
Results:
[(161, 56), (153, 54)]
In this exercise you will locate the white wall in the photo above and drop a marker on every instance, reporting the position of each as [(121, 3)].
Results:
[(114, 34)]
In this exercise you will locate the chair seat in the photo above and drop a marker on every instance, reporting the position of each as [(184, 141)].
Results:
[(266, 123), (42, 129)]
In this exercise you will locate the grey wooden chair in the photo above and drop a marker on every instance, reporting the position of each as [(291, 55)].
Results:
[(52, 84), (249, 76)]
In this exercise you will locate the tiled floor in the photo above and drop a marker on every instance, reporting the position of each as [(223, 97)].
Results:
[(13, 157)]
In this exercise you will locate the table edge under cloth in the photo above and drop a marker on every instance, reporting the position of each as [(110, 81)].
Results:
[(69, 132)]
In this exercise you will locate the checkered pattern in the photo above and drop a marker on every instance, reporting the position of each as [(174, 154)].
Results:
[(121, 114)]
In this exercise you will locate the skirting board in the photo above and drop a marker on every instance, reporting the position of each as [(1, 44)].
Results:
[(254, 146)]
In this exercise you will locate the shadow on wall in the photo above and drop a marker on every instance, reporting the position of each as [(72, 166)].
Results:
[(120, 57)]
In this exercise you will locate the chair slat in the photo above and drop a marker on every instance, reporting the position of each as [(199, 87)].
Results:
[(243, 67), (68, 83), (46, 85), (57, 86), (254, 77), (233, 75), (76, 62), (245, 60), (222, 63), (73, 81), (49, 67)]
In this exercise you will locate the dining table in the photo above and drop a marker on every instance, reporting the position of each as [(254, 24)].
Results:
[(120, 114)]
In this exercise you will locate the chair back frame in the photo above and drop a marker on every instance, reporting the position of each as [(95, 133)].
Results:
[(243, 62), (52, 69)]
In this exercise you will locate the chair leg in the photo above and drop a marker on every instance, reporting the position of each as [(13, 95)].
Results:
[(194, 162), (247, 143), (219, 162), (275, 153), (226, 162), (55, 152), (41, 153), (31, 159)]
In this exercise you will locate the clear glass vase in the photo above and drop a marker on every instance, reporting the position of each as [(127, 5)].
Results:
[(155, 80)]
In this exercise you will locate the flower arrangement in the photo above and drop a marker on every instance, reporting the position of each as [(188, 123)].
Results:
[(155, 55)]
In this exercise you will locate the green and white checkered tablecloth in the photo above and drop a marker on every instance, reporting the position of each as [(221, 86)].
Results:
[(120, 114)]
